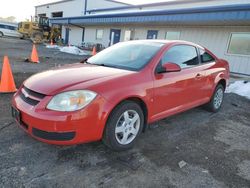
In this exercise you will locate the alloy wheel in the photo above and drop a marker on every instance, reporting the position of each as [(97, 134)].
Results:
[(218, 98), (127, 127)]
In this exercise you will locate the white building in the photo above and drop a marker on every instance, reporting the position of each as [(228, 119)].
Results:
[(223, 26)]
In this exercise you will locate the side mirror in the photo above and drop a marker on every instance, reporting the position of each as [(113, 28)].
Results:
[(171, 67)]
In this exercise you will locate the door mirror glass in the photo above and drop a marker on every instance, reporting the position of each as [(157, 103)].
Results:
[(171, 67)]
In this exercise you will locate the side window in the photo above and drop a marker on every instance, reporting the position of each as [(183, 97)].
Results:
[(12, 28), (205, 57), (183, 55)]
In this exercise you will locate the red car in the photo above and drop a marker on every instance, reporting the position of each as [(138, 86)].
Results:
[(113, 95)]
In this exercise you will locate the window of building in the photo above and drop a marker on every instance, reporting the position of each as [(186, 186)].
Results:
[(127, 35), (99, 34), (183, 55), (57, 14), (173, 35), (239, 44), (42, 15), (205, 57)]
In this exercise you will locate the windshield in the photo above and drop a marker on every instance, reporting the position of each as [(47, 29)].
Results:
[(127, 55)]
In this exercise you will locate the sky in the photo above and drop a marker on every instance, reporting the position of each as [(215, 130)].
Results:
[(21, 9), (24, 9)]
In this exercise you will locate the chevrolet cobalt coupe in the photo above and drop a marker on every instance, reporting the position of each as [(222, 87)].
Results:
[(115, 94)]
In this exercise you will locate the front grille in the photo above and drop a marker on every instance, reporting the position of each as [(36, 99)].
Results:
[(31, 97), (29, 100), (33, 93)]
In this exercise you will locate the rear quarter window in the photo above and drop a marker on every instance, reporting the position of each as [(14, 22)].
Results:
[(205, 56)]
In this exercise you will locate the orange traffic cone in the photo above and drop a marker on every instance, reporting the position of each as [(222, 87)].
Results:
[(34, 55), (7, 84), (94, 51)]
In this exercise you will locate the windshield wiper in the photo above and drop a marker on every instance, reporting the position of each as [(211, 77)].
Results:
[(85, 61), (106, 65), (101, 64)]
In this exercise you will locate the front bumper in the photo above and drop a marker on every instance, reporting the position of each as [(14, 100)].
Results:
[(62, 128)]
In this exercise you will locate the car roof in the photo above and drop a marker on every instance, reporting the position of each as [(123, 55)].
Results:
[(166, 42)]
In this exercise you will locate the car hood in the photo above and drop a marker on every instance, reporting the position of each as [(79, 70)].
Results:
[(58, 79)]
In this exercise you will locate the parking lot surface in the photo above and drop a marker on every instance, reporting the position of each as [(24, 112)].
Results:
[(192, 149)]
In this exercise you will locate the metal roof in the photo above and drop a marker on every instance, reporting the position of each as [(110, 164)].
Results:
[(52, 3), (221, 15), (63, 1), (118, 2), (141, 6)]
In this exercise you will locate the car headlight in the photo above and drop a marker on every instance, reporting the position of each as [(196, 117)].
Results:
[(71, 100)]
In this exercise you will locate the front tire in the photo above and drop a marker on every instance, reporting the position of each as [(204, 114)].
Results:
[(124, 125), (1, 34), (216, 101)]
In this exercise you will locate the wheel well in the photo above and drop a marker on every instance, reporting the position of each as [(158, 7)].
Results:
[(223, 83), (143, 106)]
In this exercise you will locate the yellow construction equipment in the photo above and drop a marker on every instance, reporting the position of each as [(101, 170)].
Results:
[(39, 30)]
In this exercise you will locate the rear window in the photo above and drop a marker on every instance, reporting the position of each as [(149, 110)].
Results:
[(205, 57)]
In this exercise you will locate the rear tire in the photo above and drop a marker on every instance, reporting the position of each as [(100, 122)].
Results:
[(1, 34), (216, 101), (124, 125)]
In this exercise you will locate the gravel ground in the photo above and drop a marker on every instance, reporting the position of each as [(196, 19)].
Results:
[(19, 50), (213, 150)]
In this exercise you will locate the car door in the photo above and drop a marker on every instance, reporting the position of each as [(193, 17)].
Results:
[(208, 65), (5, 30), (12, 31), (8, 30), (178, 91), (15, 33)]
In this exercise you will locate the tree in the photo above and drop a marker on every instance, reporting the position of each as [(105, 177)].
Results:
[(8, 19)]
